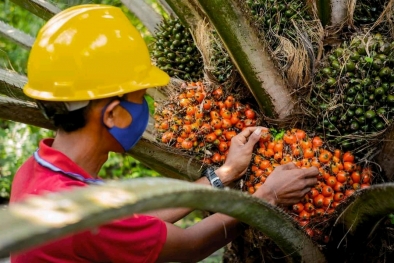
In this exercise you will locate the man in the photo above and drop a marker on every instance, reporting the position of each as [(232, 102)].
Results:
[(88, 71)]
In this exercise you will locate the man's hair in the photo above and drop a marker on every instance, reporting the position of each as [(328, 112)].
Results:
[(63, 119)]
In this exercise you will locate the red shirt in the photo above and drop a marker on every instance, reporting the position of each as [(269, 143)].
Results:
[(134, 239)]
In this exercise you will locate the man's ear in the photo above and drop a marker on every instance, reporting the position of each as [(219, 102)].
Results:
[(116, 115), (108, 115)]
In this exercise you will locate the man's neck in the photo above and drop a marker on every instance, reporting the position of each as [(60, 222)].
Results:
[(86, 150)]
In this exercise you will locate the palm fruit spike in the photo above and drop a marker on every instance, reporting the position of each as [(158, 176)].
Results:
[(220, 60), (368, 12), (175, 52), (276, 16)]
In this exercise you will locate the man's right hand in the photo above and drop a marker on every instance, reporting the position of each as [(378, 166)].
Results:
[(287, 184)]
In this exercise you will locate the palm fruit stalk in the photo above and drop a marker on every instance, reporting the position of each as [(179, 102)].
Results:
[(354, 91), (175, 52)]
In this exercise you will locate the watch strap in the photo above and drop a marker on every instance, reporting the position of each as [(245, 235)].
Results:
[(213, 178)]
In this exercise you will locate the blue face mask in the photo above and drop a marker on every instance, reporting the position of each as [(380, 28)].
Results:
[(130, 135)]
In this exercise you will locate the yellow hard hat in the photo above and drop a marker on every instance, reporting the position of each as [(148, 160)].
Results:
[(89, 52)]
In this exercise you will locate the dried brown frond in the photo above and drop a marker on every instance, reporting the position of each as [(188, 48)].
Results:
[(203, 38), (351, 6)]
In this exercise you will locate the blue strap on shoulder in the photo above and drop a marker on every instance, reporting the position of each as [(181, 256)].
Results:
[(75, 176)]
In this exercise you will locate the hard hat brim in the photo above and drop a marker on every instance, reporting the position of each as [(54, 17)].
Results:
[(155, 77)]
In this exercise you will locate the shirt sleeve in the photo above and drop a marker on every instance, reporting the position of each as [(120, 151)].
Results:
[(135, 239)]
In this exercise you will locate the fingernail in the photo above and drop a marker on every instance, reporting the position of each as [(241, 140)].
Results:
[(258, 131)]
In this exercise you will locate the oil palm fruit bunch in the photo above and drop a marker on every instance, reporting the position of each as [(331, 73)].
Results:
[(368, 11), (202, 120), (277, 16), (339, 176), (175, 52), (354, 92)]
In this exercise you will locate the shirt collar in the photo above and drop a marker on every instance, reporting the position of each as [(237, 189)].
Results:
[(59, 159)]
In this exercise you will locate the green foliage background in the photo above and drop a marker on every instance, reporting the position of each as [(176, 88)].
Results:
[(17, 142)]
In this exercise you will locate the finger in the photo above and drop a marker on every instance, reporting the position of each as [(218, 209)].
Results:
[(311, 182), (290, 201), (310, 172), (294, 195), (288, 166), (243, 172), (244, 135), (254, 137), (305, 191)]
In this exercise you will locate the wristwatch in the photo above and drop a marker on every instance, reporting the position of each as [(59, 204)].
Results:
[(213, 178)]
